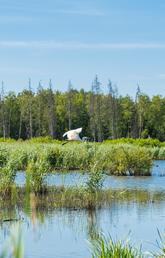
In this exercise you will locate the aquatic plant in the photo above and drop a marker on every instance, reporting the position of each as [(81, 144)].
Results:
[(114, 159), (7, 177), (95, 178), (35, 174), (14, 246), (108, 248), (39, 159), (161, 246)]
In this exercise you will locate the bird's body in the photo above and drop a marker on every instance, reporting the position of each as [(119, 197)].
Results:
[(73, 135)]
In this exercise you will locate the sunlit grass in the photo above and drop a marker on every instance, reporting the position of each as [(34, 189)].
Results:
[(108, 248)]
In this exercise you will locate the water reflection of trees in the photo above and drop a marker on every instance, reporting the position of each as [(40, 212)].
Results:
[(36, 211)]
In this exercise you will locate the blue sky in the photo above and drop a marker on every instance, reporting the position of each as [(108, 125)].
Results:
[(121, 40)]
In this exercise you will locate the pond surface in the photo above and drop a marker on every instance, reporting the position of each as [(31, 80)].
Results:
[(154, 182), (65, 233)]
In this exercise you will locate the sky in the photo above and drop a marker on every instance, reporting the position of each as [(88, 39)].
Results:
[(120, 40)]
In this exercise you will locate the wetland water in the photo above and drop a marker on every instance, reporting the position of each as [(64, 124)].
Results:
[(64, 233)]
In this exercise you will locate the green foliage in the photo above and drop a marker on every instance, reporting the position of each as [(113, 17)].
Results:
[(95, 180), (14, 246), (36, 171), (3, 156), (7, 139), (6, 181), (140, 142), (45, 115), (107, 248), (118, 159), (7, 177), (124, 159), (43, 139)]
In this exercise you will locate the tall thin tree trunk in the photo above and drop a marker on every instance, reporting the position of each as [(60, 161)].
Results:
[(51, 112), (3, 111), (92, 114), (20, 126), (70, 105), (30, 111)]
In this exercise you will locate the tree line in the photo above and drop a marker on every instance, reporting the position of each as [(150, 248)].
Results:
[(102, 115)]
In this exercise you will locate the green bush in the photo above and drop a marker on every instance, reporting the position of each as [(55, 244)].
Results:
[(123, 159)]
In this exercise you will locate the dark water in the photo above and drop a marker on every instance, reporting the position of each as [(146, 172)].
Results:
[(65, 233)]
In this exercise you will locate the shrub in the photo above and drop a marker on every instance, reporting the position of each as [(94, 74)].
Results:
[(124, 159)]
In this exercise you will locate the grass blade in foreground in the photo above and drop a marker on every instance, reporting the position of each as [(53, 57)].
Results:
[(14, 245), (107, 248)]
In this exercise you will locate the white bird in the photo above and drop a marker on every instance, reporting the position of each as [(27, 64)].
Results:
[(73, 135)]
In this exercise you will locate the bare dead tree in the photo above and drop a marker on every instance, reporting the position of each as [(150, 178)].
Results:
[(30, 109), (2, 96), (51, 111), (69, 104), (92, 113)]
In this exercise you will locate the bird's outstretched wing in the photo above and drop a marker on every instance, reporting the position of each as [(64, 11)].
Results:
[(73, 132), (78, 130)]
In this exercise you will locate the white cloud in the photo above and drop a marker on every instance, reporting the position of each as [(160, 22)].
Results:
[(79, 45)]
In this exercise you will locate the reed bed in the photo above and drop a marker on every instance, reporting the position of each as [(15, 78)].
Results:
[(81, 156), (39, 159)]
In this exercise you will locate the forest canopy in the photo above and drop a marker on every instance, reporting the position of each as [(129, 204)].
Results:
[(48, 112)]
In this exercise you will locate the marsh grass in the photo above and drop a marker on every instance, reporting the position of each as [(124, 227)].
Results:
[(81, 156), (14, 245), (149, 142), (7, 177), (108, 248), (39, 159), (95, 178), (124, 160), (161, 246), (36, 172)]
